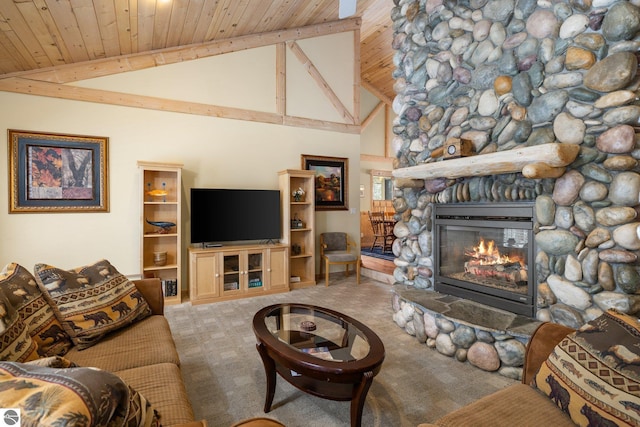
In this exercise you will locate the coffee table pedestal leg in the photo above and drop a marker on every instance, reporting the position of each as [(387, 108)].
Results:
[(270, 371), (359, 396)]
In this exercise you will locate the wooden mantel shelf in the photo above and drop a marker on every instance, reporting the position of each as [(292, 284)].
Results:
[(539, 161)]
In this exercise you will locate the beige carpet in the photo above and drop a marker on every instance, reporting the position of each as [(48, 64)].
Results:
[(225, 378)]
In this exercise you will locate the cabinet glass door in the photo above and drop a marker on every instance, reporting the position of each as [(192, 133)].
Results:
[(231, 268), (254, 270)]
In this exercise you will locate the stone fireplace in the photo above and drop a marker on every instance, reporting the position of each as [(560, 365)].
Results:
[(485, 253), (546, 94)]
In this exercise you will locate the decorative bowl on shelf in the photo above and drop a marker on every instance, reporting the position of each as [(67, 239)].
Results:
[(164, 227), (157, 194)]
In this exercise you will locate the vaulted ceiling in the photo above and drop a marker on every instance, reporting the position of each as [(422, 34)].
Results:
[(40, 34)]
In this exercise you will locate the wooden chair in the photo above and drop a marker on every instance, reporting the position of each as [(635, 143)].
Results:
[(336, 249), (382, 229)]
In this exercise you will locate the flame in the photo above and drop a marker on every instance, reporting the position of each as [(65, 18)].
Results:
[(487, 253)]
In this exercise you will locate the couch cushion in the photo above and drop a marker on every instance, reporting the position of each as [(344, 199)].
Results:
[(91, 301), (593, 374), (517, 405), (71, 396), (542, 342), (16, 344), (145, 342), (162, 384), (20, 287)]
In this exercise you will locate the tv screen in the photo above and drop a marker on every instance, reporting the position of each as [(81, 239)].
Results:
[(223, 215)]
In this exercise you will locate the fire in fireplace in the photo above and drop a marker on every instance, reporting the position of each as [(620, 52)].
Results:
[(485, 253), (487, 266)]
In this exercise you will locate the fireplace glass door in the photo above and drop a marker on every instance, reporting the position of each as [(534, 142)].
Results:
[(486, 257)]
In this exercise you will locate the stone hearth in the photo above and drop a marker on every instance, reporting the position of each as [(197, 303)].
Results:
[(468, 312), (488, 338), (510, 75)]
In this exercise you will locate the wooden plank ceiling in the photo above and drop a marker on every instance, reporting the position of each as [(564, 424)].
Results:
[(39, 34)]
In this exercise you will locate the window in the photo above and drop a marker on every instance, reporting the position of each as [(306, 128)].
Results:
[(381, 185)]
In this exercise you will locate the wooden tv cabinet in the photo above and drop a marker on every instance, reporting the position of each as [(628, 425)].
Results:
[(239, 271)]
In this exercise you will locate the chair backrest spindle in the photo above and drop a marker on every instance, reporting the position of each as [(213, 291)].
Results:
[(377, 223)]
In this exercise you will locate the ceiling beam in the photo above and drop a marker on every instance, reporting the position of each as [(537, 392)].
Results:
[(378, 159), (54, 90), (76, 93), (139, 61), (379, 94), (51, 82), (372, 115), (325, 88)]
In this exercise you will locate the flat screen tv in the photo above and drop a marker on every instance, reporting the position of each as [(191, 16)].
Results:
[(225, 215)]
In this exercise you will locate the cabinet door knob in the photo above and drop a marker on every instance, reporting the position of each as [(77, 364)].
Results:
[(217, 274)]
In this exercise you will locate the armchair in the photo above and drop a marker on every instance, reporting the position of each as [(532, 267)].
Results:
[(336, 249)]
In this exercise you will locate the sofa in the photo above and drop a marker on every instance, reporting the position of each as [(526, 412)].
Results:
[(144, 355), (138, 380), (569, 378)]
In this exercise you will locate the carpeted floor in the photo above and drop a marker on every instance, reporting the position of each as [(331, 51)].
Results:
[(225, 378), (377, 253)]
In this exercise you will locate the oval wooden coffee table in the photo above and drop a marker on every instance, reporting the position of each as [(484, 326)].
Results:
[(319, 351)]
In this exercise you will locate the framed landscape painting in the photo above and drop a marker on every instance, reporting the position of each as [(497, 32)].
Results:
[(331, 181), (57, 173)]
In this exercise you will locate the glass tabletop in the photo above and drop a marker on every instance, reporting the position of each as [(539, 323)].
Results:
[(318, 333)]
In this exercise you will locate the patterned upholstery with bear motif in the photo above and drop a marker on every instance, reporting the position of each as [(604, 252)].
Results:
[(141, 352), (91, 301), (593, 374), (19, 286)]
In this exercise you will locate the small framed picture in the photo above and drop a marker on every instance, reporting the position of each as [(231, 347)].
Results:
[(57, 173), (331, 181)]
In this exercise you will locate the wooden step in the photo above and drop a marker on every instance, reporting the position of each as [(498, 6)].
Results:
[(377, 264)]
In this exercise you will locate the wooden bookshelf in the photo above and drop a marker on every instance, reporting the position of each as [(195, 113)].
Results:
[(163, 209), (300, 237)]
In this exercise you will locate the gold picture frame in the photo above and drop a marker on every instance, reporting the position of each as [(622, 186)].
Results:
[(331, 184), (51, 172)]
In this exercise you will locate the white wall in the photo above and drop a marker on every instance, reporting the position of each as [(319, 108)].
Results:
[(215, 152), (372, 142)]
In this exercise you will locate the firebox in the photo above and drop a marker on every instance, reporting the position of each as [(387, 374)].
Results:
[(485, 253)]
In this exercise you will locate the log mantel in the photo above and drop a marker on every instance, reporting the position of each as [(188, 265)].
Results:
[(539, 161)]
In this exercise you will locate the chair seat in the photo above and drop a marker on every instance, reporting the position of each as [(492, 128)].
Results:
[(337, 248), (341, 257)]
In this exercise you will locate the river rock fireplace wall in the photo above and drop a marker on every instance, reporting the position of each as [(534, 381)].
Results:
[(514, 77)]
